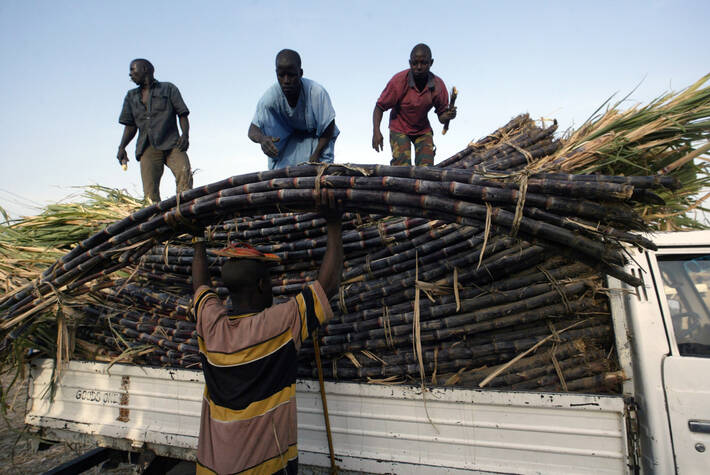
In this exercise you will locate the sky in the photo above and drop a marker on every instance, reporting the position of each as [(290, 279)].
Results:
[(66, 66)]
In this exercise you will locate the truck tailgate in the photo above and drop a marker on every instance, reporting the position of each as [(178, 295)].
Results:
[(379, 429)]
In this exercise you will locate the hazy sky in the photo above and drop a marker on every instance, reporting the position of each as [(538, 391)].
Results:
[(66, 73)]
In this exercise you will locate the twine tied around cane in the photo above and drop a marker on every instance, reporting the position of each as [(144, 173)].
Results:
[(553, 357)]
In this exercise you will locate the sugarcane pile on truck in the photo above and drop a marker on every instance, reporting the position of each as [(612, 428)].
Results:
[(487, 270)]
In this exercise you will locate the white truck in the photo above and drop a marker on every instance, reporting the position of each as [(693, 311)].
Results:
[(659, 424)]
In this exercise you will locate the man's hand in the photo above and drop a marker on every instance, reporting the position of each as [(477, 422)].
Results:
[(194, 228), (377, 140), (268, 147), (185, 225), (329, 207), (448, 114), (323, 141), (129, 132), (183, 142), (122, 156)]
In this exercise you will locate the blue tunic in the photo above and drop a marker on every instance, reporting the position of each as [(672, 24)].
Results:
[(297, 128)]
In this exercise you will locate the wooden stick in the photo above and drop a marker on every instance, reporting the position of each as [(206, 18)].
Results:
[(333, 466)]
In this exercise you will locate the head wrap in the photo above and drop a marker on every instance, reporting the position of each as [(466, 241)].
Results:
[(242, 250)]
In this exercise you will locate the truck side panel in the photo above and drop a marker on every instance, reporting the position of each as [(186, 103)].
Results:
[(464, 430), (377, 429), (160, 407)]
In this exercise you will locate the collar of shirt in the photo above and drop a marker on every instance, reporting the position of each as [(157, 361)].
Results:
[(301, 93), (430, 84), (243, 315), (153, 85)]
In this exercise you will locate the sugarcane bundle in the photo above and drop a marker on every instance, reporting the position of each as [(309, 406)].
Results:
[(459, 196), (158, 322), (481, 237)]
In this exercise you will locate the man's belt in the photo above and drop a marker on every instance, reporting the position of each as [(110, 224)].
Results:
[(304, 134)]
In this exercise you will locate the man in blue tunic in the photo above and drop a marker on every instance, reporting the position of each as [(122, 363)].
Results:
[(294, 120)]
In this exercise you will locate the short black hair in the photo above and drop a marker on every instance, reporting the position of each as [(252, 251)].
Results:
[(238, 274), (421, 47), (146, 64), (289, 55)]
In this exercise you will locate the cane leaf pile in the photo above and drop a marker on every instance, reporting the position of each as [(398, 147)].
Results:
[(496, 254)]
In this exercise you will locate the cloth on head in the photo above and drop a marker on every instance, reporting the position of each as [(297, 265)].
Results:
[(242, 250), (298, 128)]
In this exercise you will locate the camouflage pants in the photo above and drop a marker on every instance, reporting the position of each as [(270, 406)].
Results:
[(424, 149)]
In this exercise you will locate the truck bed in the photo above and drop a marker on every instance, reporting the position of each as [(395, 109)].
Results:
[(378, 429)]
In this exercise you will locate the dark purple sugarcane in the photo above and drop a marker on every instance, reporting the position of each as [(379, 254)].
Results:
[(370, 367), (159, 227), (403, 325), (493, 137), (153, 224), (547, 370), (370, 292), (440, 310), (583, 306)]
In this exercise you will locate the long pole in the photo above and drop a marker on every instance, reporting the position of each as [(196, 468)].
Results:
[(333, 466)]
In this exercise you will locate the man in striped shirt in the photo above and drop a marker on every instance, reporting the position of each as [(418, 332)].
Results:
[(249, 358)]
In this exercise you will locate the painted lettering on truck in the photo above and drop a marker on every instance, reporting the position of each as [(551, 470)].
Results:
[(108, 398)]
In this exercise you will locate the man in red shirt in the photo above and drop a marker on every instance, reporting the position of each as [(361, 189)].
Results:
[(411, 94)]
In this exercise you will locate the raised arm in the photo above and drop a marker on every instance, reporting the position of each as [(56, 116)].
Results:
[(332, 265), (200, 274), (322, 142)]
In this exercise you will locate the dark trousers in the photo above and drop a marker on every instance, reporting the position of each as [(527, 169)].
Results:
[(153, 162)]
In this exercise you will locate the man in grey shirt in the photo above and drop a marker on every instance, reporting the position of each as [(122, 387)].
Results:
[(151, 110)]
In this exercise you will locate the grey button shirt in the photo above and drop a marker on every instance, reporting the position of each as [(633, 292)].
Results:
[(156, 121)]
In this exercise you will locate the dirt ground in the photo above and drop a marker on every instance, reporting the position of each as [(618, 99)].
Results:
[(16, 448)]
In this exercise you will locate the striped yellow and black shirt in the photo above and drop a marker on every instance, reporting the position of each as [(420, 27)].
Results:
[(248, 422)]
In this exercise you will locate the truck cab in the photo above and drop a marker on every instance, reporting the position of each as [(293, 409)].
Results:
[(668, 327)]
